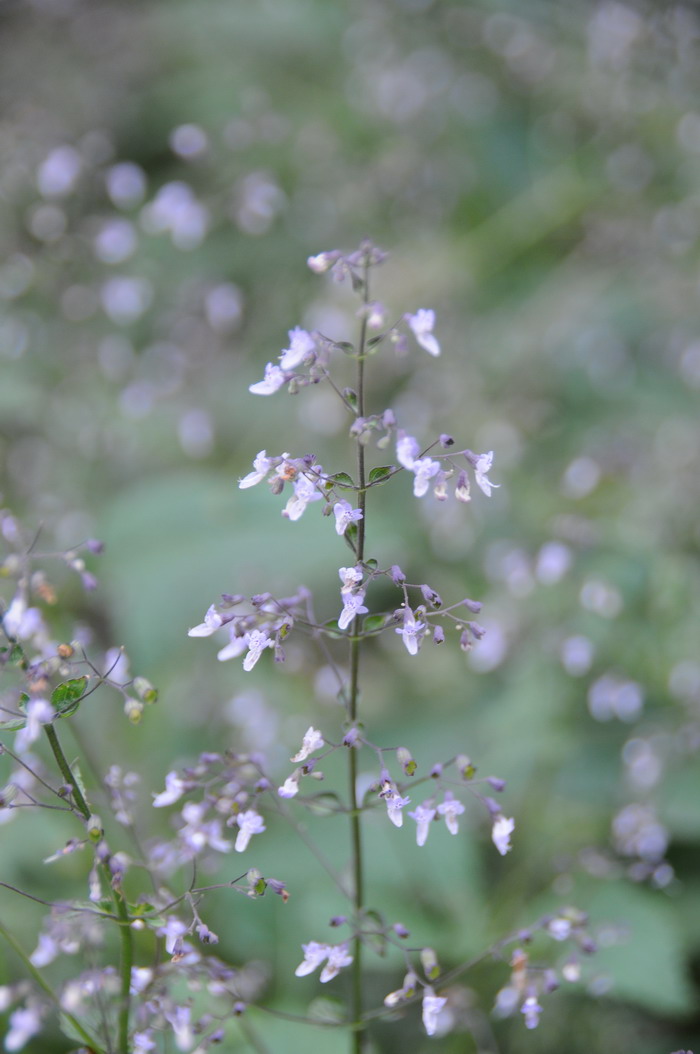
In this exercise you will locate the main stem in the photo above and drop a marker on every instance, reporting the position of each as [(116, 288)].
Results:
[(126, 954), (357, 1042)]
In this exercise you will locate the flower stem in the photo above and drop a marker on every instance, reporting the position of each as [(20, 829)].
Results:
[(357, 1040), (126, 954)]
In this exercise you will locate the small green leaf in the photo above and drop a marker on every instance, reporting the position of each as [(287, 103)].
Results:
[(343, 345), (371, 564), (351, 536), (341, 479), (13, 724), (373, 623), (350, 396), (66, 697), (323, 804), (381, 474), (376, 340)]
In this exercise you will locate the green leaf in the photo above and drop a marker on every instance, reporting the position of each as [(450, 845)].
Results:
[(373, 341), (373, 623), (381, 474), (351, 536), (323, 804), (13, 724), (66, 697), (341, 479)]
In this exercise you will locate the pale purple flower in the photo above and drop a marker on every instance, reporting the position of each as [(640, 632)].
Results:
[(21, 621), (261, 466), (39, 713), (314, 955), (272, 381), (323, 261), (349, 576), (502, 830), (179, 1020), (345, 515), (257, 641), (338, 957), (532, 1010), (450, 809), (175, 787), (305, 491), (424, 468), (313, 740), (481, 470), (212, 622), (394, 804), (406, 449), (25, 1022), (422, 324), (143, 1042), (290, 787), (301, 344), (432, 1005), (352, 605), (423, 815), (250, 823), (173, 931), (411, 631), (45, 952), (236, 646), (197, 834)]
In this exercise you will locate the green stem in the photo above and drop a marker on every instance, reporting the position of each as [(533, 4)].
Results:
[(126, 954), (357, 1036), (92, 1042)]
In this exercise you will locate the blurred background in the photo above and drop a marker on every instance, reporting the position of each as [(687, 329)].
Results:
[(532, 168)]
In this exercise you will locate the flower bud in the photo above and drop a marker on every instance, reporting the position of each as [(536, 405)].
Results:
[(279, 888), (477, 630), (94, 828), (438, 635), (401, 931), (405, 760), (94, 545), (429, 963), (496, 784), (431, 597), (397, 575), (472, 605), (133, 710), (446, 441)]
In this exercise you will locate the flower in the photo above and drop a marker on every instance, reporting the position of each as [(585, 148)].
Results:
[(411, 631), (250, 823), (39, 712), (338, 957), (305, 491), (301, 344), (352, 606), (261, 466), (424, 468), (423, 816), (175, 787), (321, 263), (450, 808), (532, 1010), (257, 641), (290, 787), (349, 576), (394, 804), (422, 324), (24, 1023), (272, 381), (345, 515), (313, 740), (406, 449), (212, 622), (236, 646), (314, 955), (481, 469), (502, 830), (432, 1005)]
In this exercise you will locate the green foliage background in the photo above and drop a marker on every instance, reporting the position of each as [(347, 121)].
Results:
[(533, 169)]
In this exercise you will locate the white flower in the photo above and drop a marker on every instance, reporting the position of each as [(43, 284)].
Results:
[(394, 804), (406, 449), (301, 344), (39, 713), (349, 576), (481, 470), (321, 263), (314, 955), (422, 324), (345, 515), (411, 631), (305, 491), (502, 830), (432, 1005), (236, 646), (250, 823), (337, 958), (257, 641), (313, 740), (424, 468), (212, 622), (352, 605), (532, 1010), (272, 381), (450, 808), (174, 789), (261, 466), (290, 787), (423, 816), (24, 1023)]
